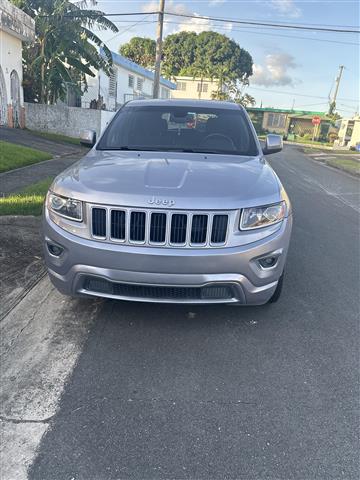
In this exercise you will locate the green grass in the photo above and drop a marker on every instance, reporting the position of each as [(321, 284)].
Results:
[(28, 201), (347, 164), (310, 142), (57, 137), (16, 156)]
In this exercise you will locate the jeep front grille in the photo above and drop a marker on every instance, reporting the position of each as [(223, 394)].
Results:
[(161, 228)]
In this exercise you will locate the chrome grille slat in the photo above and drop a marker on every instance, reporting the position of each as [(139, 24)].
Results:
[(195, 229), (98, 216), (178, 228), (199, 229), (137, 226), (158, 227), (118, 224), (219, 228)]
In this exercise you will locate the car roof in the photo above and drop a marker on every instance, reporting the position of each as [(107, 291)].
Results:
[(189, 103)]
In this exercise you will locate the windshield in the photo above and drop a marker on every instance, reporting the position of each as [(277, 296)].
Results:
[(175, 128)]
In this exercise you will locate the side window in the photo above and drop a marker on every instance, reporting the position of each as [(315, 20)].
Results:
[(270, 120), (181, 86), (131, 81), (139, 84), (113, 82), (205, 88), (276, 120)]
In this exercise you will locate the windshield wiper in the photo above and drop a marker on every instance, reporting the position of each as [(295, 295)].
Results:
[(141, 148)]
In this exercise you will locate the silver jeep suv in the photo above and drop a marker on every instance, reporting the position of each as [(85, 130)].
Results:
[(175, 203)]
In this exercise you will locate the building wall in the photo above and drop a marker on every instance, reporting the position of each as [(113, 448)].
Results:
[(15, 27), (191, 88), (65, 120), (275, 122), (355, 137), (10, 61), (124, 92)]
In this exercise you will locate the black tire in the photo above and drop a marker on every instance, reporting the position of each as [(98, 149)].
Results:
[(276, 295)]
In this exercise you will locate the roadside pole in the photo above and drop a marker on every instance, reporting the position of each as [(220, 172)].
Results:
[(338, 78), (159, 34)]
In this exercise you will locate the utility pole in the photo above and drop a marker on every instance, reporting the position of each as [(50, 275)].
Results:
[(159, 34), (332, 105)]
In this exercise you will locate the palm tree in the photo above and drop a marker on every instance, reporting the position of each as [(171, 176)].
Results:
[(65, 49)]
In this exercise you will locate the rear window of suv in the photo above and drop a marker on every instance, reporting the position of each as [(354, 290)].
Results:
[(177, 128)]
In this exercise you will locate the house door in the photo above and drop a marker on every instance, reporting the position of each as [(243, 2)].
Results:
[(15, 97), (3, 99)]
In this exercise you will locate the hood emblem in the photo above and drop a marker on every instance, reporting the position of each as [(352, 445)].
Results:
[(159, 201)]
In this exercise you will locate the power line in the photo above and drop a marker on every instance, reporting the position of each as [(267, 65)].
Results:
[(270, 34), (129, 28), (312, 27), (263, 24), (300, 94)]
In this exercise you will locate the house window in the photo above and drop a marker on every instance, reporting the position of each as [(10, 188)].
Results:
[(113, 83), (139, 84), (276, 120), (202, 87), (181, 86), (131, 81)]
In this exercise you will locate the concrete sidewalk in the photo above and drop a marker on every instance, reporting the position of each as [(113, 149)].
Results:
[(30, 139), (64, 155), (16, 180)]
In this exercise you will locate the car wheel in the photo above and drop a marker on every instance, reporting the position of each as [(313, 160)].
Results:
[(276, 295)]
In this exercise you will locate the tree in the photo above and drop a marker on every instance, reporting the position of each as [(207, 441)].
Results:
[(179, 52), (203, 55), (65, 47), (234, 93), (140, 50)]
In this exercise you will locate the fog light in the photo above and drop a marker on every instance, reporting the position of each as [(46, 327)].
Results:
[(54, 249), (268, 262)]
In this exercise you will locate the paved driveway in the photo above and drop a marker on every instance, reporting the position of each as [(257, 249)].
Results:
[(30, 139), (63, 156), (183, 392)]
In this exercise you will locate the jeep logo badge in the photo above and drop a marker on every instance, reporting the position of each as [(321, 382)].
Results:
[(163, 202)]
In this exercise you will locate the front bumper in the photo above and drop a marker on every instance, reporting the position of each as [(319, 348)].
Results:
[(235, 267)]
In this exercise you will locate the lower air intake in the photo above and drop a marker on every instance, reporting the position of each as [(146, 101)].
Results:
[(213, 292)]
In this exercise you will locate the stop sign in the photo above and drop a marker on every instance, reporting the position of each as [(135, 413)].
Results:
[(316, 120)]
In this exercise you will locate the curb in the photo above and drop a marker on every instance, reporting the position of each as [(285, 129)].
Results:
[(56, 157)]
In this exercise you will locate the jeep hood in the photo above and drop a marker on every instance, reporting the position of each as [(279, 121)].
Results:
[(188, 180)]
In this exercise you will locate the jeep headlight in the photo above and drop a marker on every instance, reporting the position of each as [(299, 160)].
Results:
[(257, 217), (65, 207)]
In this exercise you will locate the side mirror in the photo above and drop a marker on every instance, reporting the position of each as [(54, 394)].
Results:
[(88, 138), (273, 144)]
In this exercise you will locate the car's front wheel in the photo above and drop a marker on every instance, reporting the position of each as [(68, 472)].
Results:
[(276, 295)]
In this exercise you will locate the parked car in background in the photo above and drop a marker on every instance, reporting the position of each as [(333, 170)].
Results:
[(164, 209)]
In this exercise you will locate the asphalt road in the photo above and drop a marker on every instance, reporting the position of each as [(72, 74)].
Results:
[(179, 392)]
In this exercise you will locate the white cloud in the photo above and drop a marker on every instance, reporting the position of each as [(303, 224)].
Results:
[(286, 8), (214, 3), (197, 25), (275, 71)]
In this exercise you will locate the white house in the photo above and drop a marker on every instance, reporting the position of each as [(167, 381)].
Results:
[(15, 27), (127, 81), (349, 133), (190, 87)]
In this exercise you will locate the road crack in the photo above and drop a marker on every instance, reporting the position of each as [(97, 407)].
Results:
[(24, 420)]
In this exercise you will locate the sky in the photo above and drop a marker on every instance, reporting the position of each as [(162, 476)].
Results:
[(291, 67)]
